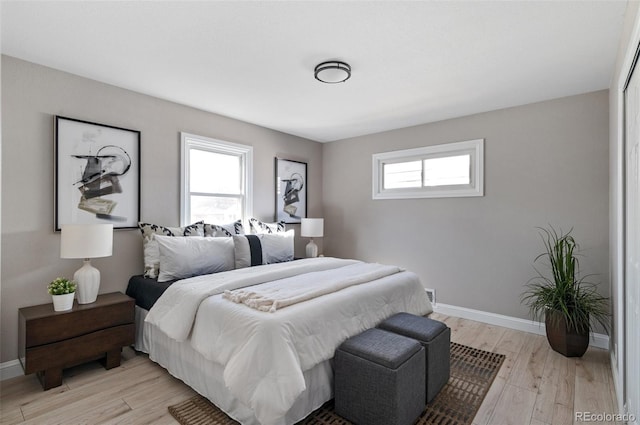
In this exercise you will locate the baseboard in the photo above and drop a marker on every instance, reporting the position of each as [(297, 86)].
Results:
[(597, 340), (10, 369), (616, 382)]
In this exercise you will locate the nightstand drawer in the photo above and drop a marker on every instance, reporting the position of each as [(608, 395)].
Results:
[(44, 326), (78, 350)]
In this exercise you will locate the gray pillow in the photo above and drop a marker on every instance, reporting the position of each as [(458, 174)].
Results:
[(185, 257)]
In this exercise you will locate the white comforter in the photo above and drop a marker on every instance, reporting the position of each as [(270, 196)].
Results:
[(263, 354)]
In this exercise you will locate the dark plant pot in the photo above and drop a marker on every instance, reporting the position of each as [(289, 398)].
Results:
[(567, 341)]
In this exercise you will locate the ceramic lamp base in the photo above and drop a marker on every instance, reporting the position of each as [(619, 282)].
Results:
[(311, 249), (88, 279)]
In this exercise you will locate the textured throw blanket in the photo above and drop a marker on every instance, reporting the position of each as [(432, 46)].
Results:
[(286, 292)]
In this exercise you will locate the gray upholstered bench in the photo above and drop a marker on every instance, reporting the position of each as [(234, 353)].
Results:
[(435, 336), (379, 379)]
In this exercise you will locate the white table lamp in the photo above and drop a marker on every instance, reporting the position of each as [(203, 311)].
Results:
[(312, 228), (86, 241)]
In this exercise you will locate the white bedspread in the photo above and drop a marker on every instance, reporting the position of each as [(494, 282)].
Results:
[(176, 309), (263, 354)]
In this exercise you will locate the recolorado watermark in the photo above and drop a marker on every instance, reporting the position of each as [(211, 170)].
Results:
[(604, 417)]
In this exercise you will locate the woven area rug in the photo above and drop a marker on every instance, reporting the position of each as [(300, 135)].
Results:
[(472, 372)]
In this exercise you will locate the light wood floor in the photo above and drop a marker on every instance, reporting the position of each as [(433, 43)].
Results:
[(535, 386)]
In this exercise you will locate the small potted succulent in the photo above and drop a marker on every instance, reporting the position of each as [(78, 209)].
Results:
[(62, 292)]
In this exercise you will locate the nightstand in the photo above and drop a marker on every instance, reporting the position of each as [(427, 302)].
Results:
[(50, 341)]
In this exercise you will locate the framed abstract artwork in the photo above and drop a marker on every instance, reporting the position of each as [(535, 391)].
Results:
[(96, 174), (291, 190)]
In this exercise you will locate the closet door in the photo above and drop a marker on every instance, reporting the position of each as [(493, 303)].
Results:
[(632, 244)]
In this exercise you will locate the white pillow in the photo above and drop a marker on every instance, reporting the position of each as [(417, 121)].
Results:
[(183, 257), (254, 250), (219, 230), (258, 227), (277, 247)]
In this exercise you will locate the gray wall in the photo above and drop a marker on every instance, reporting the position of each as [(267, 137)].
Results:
[(31, 95), (545, 163)]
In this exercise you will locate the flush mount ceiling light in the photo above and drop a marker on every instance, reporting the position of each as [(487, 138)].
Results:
[(332, 72)]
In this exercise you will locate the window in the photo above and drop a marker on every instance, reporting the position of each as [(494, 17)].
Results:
[(216, 180), (449, 170)]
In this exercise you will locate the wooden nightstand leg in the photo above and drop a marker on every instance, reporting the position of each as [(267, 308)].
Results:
[(50, 378), (113, 359)]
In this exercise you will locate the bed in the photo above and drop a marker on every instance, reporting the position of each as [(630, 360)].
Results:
[(269, 364)]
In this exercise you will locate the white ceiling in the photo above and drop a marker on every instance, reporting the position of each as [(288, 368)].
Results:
[(413, 62)]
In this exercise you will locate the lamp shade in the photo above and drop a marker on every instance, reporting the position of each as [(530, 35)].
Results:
[(86, 240), (312, 227)]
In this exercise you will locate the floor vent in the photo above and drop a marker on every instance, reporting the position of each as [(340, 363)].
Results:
[(431, 293)]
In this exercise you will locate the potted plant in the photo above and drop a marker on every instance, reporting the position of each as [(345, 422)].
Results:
[(571, 306), (62, 292)]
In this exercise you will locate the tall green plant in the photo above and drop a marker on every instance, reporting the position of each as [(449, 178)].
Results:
[(564, 290)]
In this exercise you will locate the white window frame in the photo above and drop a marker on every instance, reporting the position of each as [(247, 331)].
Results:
[(475, 148), (192, 141)]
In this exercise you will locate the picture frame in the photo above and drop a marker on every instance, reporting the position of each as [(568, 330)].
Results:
[(96, 174), (291, 190)]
